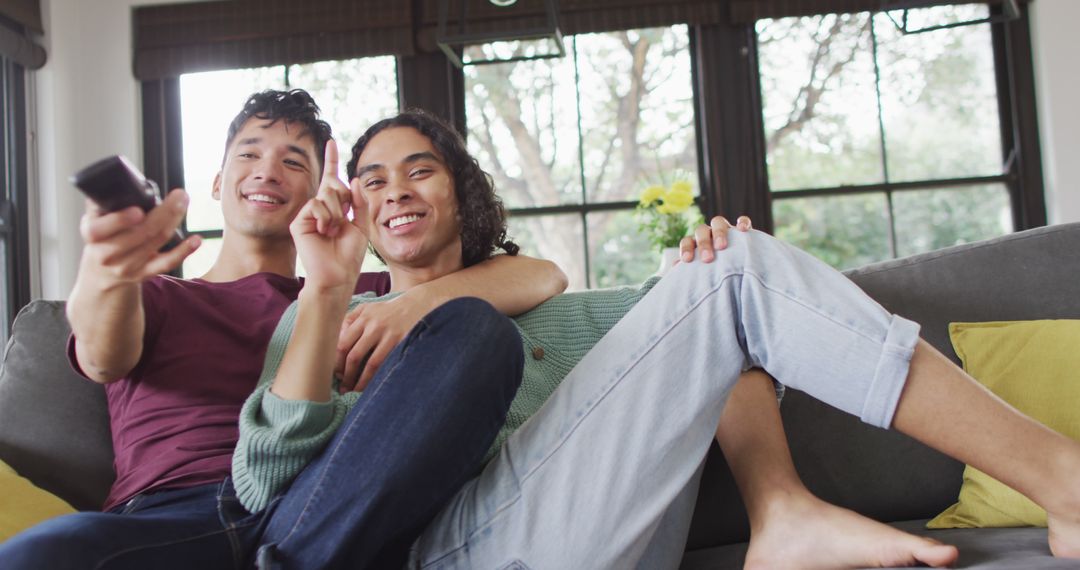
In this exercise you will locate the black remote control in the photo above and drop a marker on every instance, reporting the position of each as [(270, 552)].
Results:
[(113, 183)]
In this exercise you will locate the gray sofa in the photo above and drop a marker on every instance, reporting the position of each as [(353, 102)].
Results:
[(54, 426)]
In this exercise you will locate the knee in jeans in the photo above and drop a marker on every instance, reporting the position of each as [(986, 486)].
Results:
[(51, 543), (749, 251), (476, 325), (476, 318)]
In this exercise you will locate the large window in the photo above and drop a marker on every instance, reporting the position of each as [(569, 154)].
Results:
[(352, 94), (838, 132), (14, 237), (882, 144), (571, 143)]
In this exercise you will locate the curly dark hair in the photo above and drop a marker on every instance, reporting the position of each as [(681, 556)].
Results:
[(480, 211), (295, 106)]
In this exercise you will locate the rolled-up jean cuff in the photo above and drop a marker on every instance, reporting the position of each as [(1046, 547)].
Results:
[(891, 372)]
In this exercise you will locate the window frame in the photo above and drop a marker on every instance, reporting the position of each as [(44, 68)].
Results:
[(14, 216), (732, 171), (734, 112)]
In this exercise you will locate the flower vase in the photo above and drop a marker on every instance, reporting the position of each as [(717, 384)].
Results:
[(669, 256)]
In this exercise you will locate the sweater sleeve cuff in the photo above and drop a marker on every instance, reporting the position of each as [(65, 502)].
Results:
[(296, 418)]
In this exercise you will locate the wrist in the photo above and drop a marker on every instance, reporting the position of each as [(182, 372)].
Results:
[(325, 296), (426, 296)]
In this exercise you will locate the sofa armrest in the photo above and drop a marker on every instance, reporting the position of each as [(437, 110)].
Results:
[(54, 424)]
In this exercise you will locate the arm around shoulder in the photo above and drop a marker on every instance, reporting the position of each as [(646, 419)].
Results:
[(513, 284)]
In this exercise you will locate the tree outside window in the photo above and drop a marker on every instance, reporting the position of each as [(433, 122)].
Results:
[(881, 144), (571, 143)]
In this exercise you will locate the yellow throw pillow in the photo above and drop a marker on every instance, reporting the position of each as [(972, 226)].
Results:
[(23, 505), (1035, 366)]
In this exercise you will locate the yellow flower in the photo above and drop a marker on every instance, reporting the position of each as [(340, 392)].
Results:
[(679, 198), (663, 213), (683, 186), (667, 208), (651, 194)]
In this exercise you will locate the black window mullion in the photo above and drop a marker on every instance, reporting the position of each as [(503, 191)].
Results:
[(940, 184), (163, 139), (889, 213), (581, 164), (731, 126), (1022, 155), (430, 82), (16, 235)]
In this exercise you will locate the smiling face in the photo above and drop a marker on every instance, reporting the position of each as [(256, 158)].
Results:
[(270, 172), (412, 210)]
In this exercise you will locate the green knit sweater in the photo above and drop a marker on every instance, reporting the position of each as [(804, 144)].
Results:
[(278, 438)]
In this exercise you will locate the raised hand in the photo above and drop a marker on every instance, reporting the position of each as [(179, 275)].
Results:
[(330, 245), (710, 238)]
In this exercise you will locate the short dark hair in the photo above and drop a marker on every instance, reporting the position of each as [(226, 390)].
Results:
[(295, 106), (480, 211)]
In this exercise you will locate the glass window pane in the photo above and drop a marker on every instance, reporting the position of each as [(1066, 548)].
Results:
[(619, 253), (819, 102), (936, 218), (637, 111), (939, 97), (208, 102), (352, 95), (522, 126), (558, 238), (843, 231), (198, 263)]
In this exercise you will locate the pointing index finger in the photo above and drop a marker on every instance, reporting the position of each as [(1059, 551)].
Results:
[(330, 162)]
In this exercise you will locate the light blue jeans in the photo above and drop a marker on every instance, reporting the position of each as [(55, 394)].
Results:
[(605, 474)]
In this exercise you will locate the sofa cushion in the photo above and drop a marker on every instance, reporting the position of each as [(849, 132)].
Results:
[(1034, 366), (54, 425), (980, 549), (25, 505)]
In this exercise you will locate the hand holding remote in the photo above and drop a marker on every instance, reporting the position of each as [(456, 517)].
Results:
[(113, 183), (124, 229)]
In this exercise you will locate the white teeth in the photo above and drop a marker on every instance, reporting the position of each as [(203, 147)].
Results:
[(395, 222), (262, 198)]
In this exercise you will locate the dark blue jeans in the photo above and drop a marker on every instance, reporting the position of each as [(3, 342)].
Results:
[(415, 437)]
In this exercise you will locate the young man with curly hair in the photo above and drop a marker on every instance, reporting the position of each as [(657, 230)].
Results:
[(620, 399)]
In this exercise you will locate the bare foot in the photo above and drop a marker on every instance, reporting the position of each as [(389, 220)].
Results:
[(808, 533), (1064, 535), (1062, 505)]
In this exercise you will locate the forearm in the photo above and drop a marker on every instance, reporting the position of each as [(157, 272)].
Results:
[(108, 324), (308, 364), (278, 438), (513, 284)]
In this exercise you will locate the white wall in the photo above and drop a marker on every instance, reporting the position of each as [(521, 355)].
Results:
[(1055, 27), (87, 106)]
